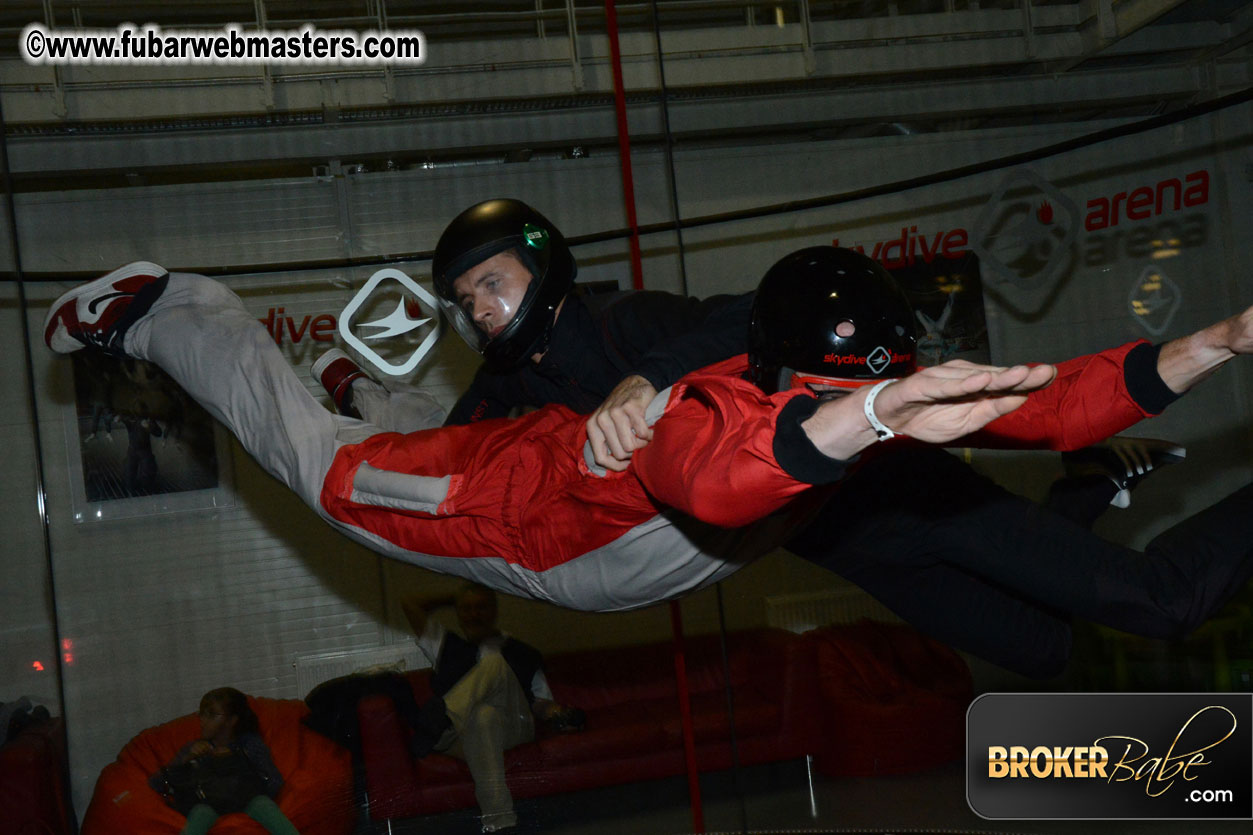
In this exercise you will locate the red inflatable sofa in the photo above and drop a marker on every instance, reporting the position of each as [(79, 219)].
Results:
[(633, 728)]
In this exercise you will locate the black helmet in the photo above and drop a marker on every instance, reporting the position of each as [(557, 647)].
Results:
[(487, 229), (800, 303)]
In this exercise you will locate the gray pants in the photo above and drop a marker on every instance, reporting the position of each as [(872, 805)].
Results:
[(489, 715), (200, 334), (396, 410)]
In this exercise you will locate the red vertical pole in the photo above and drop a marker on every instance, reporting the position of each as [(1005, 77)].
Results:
[(685, 717), (637, 281), (624, 144)]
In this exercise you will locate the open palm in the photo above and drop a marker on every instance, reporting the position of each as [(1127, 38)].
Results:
[(947, 401)]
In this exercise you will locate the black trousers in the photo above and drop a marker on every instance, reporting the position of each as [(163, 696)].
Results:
[(992, 573)]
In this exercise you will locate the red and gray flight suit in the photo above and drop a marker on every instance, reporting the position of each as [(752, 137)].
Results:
[(512, 504)]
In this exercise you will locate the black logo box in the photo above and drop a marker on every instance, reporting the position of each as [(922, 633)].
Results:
[(1196, 779)]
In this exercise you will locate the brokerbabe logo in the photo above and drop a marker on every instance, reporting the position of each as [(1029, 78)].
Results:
[(395, 306), (1110, 755)]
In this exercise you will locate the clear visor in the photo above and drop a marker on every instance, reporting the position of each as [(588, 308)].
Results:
[(503, 307), (462, 324)]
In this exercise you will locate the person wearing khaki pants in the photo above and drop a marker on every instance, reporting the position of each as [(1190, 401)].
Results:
[(493, 689)]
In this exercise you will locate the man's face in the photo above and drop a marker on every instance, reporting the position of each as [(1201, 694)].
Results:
[(491, 291), (476, 613)]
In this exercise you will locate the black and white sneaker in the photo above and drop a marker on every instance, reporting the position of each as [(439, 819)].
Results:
[(1125, 461)]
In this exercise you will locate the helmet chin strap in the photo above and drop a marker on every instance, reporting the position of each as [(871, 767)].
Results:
[(541, 345)]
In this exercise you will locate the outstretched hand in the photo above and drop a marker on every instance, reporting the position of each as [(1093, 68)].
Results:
[(935, 405), (945, 402)]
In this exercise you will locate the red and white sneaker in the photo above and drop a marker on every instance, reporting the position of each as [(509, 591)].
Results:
[(98, 314), (337, 372)]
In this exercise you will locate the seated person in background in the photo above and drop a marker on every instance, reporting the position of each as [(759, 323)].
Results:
[(229, 769), (493, 688)]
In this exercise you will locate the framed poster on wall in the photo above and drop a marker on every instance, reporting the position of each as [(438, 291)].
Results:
[(138, 444)]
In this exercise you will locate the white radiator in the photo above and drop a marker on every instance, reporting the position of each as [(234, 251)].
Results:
[(312, 670), (803, 612)]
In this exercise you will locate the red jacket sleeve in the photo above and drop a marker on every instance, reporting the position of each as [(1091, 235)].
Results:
[(1087, 403), (712, 453), (713, 457)]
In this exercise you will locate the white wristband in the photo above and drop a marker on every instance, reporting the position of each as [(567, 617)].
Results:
[(881, 431)]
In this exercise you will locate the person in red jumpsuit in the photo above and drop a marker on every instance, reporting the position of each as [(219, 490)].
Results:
[(509, 503), (515, 505), (950, 551)]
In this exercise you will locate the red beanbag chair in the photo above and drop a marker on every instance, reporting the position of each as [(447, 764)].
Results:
[(317, 794)]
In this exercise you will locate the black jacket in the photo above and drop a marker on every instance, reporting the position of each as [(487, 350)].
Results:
[(598, 341), (458, 656)]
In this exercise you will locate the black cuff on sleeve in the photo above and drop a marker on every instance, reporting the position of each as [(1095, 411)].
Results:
[(1144, 384), (796, 453)]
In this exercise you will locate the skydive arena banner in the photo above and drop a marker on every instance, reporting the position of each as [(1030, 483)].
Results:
[(1160, 756)]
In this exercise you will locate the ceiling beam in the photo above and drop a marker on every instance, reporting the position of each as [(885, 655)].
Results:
[(1110, 22)]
